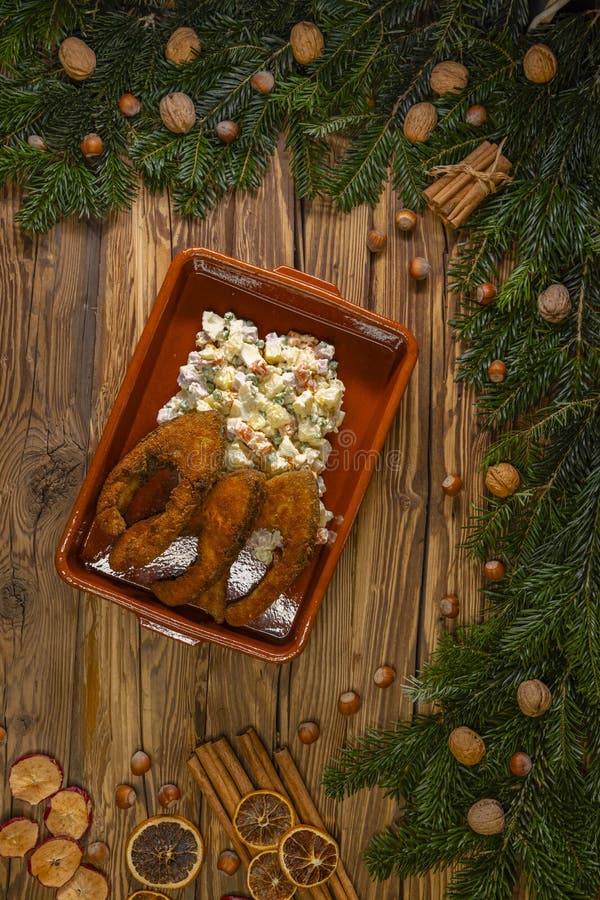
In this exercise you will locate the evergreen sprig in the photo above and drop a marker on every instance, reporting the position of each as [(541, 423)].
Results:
[(543, 619)]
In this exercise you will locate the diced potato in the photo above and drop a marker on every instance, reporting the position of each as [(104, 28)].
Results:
[(224, 378), (303, 404), (277, 415), (212, 324)]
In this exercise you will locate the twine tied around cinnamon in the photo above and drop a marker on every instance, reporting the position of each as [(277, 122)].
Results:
[(462, 186)]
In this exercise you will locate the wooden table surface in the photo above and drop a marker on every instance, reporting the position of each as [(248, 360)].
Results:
[(81, 679)]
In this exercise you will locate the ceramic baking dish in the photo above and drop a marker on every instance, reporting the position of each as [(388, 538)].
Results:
[(376, 357)]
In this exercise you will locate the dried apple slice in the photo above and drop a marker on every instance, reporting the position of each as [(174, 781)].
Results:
[(55, 861), (86, 884), (69, 812), (35, 777), (18, 836)]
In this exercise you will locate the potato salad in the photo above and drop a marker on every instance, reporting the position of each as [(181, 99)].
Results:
[(281, 396)]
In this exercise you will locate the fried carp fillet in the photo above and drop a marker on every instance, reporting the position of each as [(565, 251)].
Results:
[(291, 506), (194, 446), (223, 522)]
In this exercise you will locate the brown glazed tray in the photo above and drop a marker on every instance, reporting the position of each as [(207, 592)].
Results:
[(376, 357)]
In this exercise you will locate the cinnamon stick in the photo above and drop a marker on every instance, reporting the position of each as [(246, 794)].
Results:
[(309, 813), (203, 781), (222, 781), (233, 766), (462, 181), (265, 775), (472, 160), (478, 192)]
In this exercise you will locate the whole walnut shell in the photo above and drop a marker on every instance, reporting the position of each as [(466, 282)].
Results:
[(77, 59), (534, 698), (466, 745), (419, 122), (554, 304), (540, 64), (178, 112), (448, 78), (486, 817), (183, 46), (307, 42), (502, 480)]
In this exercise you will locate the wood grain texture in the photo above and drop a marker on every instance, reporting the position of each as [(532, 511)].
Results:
[(80, 677)]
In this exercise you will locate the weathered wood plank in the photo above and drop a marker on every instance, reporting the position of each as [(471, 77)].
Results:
[(46, 335)]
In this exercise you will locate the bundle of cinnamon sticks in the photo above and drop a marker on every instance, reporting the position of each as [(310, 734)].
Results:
[(462, 186), (223, 780)]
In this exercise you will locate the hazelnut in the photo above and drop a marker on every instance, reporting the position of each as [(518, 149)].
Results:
[(307, 42), (466, 745), (419, 268), (308, 732), (451, 485), (168, 794), (448, 77), (405, 219), (349, 703), (502, 480), (534, 698), (419, 122), (227, 130), (494, 570), (97, 853), (554, 304), (3, 735), (384, 676), (263, 81), (520, 764), (486, 292), (497, 371), (140, 763), (129, 105), (376, 241), (125, 796), (449, 606), (37, 142), (92, 145), (540, 64), (178, 112), (476, 115), (228, 862), (486, 817), (77, 59), (183, 46)]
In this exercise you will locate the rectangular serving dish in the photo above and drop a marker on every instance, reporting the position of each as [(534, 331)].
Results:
[(376, 357)]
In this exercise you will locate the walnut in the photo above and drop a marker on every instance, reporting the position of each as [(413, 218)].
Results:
[(307, 42), (77, 59), (502, 480), (534, 698), (554, 304), (486, 817), (183, 46), (466, 746), (178, 112), (419, 122), (539, 64), (448, 78)]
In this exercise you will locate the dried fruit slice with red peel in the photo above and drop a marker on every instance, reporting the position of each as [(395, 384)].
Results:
[(18, 836), (69, 812), (35, 777), (55, 861), (86, 884), (165, 852)]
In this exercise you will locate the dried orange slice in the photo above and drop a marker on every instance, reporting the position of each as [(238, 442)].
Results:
[(165, 852), (147, 895), (308, 856), (265, 879), (262, 818)]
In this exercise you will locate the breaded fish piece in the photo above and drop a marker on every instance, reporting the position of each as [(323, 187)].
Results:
[(223, 522), (214, 600), (194, 446), (291, 506)]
